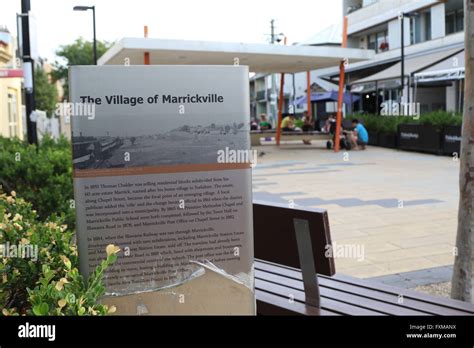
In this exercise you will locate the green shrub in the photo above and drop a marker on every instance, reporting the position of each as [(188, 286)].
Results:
[(389, 124), (370, 122), (380, 124), (41, 175), (45, 281), (440, 119)]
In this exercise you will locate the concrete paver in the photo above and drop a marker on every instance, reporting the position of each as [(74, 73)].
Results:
[(401, 206)]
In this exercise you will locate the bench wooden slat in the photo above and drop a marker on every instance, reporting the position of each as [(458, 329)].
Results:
[(390, 298), (273, 133), (255, 136), (356, 304), (420, 302), (407, 293), (354, 300), (327, 303), (270, 304)]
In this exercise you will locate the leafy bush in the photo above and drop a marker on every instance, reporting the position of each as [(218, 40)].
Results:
[(440, 119), (389, 124), (41, 175), (381, 124), (45, 281)]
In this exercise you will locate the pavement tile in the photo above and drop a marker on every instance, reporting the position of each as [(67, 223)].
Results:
[(362, 197)]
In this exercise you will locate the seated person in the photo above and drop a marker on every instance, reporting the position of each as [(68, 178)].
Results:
[(253, 125), (330, 125), (359, 137), (288, 123), (264, 124), (308, 125)]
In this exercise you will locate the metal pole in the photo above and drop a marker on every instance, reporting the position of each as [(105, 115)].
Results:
[(95, 41), (273, 105), (402, 43), (377, 108), (272, 28), (280, 105), (340, 96), (308, 94), (294, 93), (146, 55), (28, 66)]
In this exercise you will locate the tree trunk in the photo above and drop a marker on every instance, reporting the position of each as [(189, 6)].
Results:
[(463, 277)]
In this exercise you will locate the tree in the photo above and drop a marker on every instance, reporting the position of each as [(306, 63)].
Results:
[(78, 53), (463, 277), (46, 94)]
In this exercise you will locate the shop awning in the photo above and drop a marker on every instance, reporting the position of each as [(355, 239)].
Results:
[(412, 65), (328, 97), (450, 69), (261, 58)]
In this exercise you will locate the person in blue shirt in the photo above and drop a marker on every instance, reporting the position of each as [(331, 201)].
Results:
[(359, 136)]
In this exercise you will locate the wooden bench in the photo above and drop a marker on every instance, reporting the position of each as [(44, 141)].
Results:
[(256, 136), (290, 246)]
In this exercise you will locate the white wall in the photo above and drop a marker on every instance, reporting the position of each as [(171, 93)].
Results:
[(438, 24), (451, 99), (384, 11), (394, 37)]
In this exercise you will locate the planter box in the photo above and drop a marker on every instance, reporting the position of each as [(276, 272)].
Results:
[(418, 137), (373, 139), (387, 140), (452, 140)]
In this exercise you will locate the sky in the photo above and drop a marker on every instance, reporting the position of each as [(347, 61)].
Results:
[(208, 20)]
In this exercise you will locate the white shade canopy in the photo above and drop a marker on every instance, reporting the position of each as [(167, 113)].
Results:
[(261, 58), (412, 66), (452, 68)]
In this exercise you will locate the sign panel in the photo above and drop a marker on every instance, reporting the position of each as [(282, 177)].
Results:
[(162, 169), (11, 73)]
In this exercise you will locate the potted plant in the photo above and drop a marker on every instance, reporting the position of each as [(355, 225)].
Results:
[(425, 134), (451, 137), (387, 135)]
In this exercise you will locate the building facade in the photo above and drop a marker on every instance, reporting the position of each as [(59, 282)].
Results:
[(434, 59), (433, 34), (11, 116)]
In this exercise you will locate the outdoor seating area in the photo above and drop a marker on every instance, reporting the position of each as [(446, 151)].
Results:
[(268, 136)]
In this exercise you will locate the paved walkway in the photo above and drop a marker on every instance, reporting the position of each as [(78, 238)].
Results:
[(400, 206)]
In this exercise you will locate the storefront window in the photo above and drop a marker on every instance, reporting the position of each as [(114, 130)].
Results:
[(12, 115), (415, 30), (372, 42), (428, 25), (382, 41), (454, 21), (459, 20), (378, 41)]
